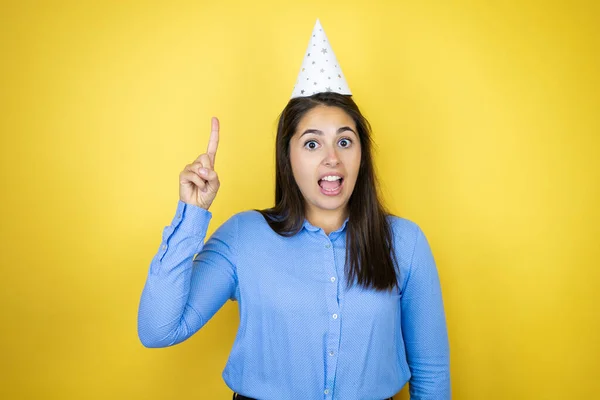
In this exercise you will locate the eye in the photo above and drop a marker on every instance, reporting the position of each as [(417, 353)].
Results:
[(311, 145), (345, 142)]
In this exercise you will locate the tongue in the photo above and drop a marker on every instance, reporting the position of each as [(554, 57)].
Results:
[(327, 185)]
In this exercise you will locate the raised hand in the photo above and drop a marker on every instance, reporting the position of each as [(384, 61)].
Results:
[(198, 182)]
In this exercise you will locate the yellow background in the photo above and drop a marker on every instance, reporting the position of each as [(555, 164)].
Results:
[(486, 121)]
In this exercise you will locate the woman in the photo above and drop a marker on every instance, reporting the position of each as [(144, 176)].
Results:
[(303, 333), (337, 298)]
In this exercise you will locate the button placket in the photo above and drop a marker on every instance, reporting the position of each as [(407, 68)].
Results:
[(333, 335)]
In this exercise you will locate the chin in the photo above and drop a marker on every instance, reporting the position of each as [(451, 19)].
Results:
[(332, 204)]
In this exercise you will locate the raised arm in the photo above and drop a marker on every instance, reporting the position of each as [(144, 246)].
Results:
[(183, 292)]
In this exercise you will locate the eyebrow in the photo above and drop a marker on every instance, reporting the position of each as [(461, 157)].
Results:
[(318, 132)]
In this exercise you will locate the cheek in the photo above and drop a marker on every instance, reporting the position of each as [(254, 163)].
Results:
[(294, 162), (303, 175), (352, 163), (300, 168)]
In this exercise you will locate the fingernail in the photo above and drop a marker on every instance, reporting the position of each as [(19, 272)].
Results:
[(203, 171)]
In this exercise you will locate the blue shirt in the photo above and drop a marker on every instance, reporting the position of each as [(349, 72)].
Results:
[(302, 334)]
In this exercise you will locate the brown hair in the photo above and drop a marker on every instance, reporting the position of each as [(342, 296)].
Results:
[(370, 252)]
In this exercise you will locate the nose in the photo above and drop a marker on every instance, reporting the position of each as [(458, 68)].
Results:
[(331, 157)]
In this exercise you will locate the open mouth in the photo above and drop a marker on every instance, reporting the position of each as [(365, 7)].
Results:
[(330, 185)]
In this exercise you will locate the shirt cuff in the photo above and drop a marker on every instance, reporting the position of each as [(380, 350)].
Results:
[(191, 219)]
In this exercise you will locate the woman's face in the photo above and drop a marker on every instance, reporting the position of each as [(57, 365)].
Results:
[(325, 156)]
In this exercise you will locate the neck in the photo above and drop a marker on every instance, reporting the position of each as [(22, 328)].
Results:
[(329, 221)]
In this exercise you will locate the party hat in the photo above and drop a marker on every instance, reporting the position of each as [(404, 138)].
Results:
[(320, 70)]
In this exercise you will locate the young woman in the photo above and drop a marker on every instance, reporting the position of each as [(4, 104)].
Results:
[(337, 298)]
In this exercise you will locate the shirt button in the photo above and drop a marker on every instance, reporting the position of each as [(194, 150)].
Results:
[(326, 391), (178, 216), (327, 246), (164, 246), (333, 279), (331, 353), (334, 316)]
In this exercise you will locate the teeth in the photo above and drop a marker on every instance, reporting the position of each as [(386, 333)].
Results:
[(331, 178)]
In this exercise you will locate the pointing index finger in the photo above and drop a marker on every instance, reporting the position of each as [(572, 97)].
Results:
[(213, 141)]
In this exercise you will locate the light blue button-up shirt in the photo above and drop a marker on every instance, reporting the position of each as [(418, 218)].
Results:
[(302, 334)]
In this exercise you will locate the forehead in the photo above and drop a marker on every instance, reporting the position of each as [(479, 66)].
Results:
[(326, 118)]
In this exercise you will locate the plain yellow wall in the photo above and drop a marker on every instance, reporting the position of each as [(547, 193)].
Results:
[(486, 116)]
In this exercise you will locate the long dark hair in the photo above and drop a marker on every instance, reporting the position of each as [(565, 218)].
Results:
[(370, 252)]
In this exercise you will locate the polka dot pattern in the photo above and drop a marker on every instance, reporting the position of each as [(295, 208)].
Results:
[(302, 333)]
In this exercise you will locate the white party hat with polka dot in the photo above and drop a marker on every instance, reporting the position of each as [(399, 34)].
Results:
[(320, 70)]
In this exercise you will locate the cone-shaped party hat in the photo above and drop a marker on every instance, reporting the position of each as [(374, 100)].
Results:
[(320, 70)]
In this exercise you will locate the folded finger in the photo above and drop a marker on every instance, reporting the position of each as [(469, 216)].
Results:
[(209, 175), (203, 161), (187, 177)]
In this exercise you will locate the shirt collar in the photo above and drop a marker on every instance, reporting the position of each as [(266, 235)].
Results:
[(310, 227)]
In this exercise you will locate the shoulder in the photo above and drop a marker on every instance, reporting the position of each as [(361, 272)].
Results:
[(244, 227), (403, 227), (407, 234), (247, 222), (249, 217)]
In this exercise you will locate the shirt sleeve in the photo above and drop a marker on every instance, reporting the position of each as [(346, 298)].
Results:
[(188, 280), (424, 327)]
